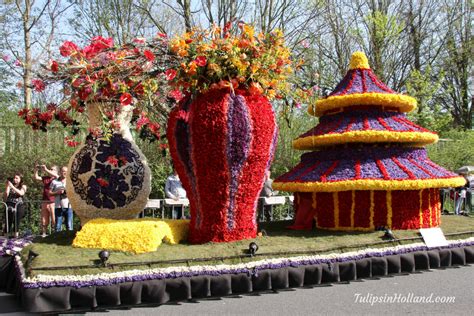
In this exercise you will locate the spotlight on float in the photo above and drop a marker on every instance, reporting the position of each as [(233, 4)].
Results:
[(388, 234), (253, 247), (104, 256)]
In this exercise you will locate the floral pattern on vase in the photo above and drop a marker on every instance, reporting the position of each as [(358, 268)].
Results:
[(108, 178)]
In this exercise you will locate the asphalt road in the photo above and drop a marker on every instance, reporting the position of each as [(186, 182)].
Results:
[(400, 294)]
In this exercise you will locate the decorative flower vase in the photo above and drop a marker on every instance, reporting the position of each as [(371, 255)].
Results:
[(108, 179), (222, 144)]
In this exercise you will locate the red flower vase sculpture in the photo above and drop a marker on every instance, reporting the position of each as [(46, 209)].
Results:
[(221, 144)]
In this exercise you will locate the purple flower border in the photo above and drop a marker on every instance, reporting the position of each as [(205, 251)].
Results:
[(207, 271), (11, 247)]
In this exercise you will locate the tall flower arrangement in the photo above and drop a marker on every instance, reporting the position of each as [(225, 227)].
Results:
[(223, 134), (234, 57), (113, 75)]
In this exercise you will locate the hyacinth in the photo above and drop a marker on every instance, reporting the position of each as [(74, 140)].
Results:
[(106, 73)]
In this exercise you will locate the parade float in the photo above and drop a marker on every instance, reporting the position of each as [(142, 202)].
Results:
[(222, 136), (367, 167)]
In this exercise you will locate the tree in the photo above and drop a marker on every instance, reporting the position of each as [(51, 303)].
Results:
[(457, 62), (37, 24)]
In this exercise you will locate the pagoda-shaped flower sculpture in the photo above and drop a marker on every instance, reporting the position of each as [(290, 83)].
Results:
[(367, 167)]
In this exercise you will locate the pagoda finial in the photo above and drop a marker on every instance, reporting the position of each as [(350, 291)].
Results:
[(359, 61)]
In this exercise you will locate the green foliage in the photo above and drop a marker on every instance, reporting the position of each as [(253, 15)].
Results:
[(454, 150), (286, 157), (423, 86)]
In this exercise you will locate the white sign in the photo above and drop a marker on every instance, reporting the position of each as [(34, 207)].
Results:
[(433, 237)]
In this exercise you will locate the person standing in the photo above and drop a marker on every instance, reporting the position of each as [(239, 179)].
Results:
[(62, 209), (174, 190), (267, 191), (13, 197), (47, 202)]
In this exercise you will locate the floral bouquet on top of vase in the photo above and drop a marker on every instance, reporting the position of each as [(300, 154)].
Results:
[(223, 134), (115, 86)]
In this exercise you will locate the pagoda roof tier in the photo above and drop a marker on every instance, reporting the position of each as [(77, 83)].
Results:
[(364, 126), (360, 86), (366, 168)]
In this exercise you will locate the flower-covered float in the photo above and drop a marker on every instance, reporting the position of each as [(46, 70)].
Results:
[(367, 167), (223, 134), (114, 86)]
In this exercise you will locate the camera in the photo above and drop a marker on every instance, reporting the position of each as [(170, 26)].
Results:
[(10, 180)]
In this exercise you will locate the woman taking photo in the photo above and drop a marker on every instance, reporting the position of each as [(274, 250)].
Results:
[(13, 197), (47, 204)]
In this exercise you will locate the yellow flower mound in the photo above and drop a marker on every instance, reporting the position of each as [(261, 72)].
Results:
[(359, 61), (134, 235)]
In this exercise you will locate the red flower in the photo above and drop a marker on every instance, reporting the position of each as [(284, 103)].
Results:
[(112, 160), (126, 99), (201, 61), (84, 93), (163, 146), (176, 94), (38, 85), (102, 182), (162, 35), (142, 121), (170, 74), (23, 112), (123, 160), (149, 55), (139, 40), (54, 66), (68, 48)]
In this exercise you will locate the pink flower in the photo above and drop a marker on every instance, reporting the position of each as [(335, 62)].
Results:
[(68, 48), (18, 63), (126, 99), (143, 120), (38, 85), (305, 44), (162, 35), (170, 74), (6, 58), (176, 94), (149, 55), (298, 105), (139, 40), (54, 66), (201, 61), (102, 182), (112, 160)]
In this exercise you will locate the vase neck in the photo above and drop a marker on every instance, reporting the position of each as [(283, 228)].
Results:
[(94, 111)]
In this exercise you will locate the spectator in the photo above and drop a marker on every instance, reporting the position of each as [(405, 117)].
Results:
[(13, 196), (267, 191), (47, 203), (62, 209), (174, 190)]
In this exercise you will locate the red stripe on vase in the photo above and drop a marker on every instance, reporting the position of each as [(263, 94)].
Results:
[(263, 127), (208, 141), (410, 123)]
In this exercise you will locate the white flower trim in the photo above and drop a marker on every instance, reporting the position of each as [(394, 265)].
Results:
[(218, 268)]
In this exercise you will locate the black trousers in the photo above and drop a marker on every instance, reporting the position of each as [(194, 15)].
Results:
[(20, 213)]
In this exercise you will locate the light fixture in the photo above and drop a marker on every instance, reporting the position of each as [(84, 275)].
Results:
[(253, 247), (104, 256)]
